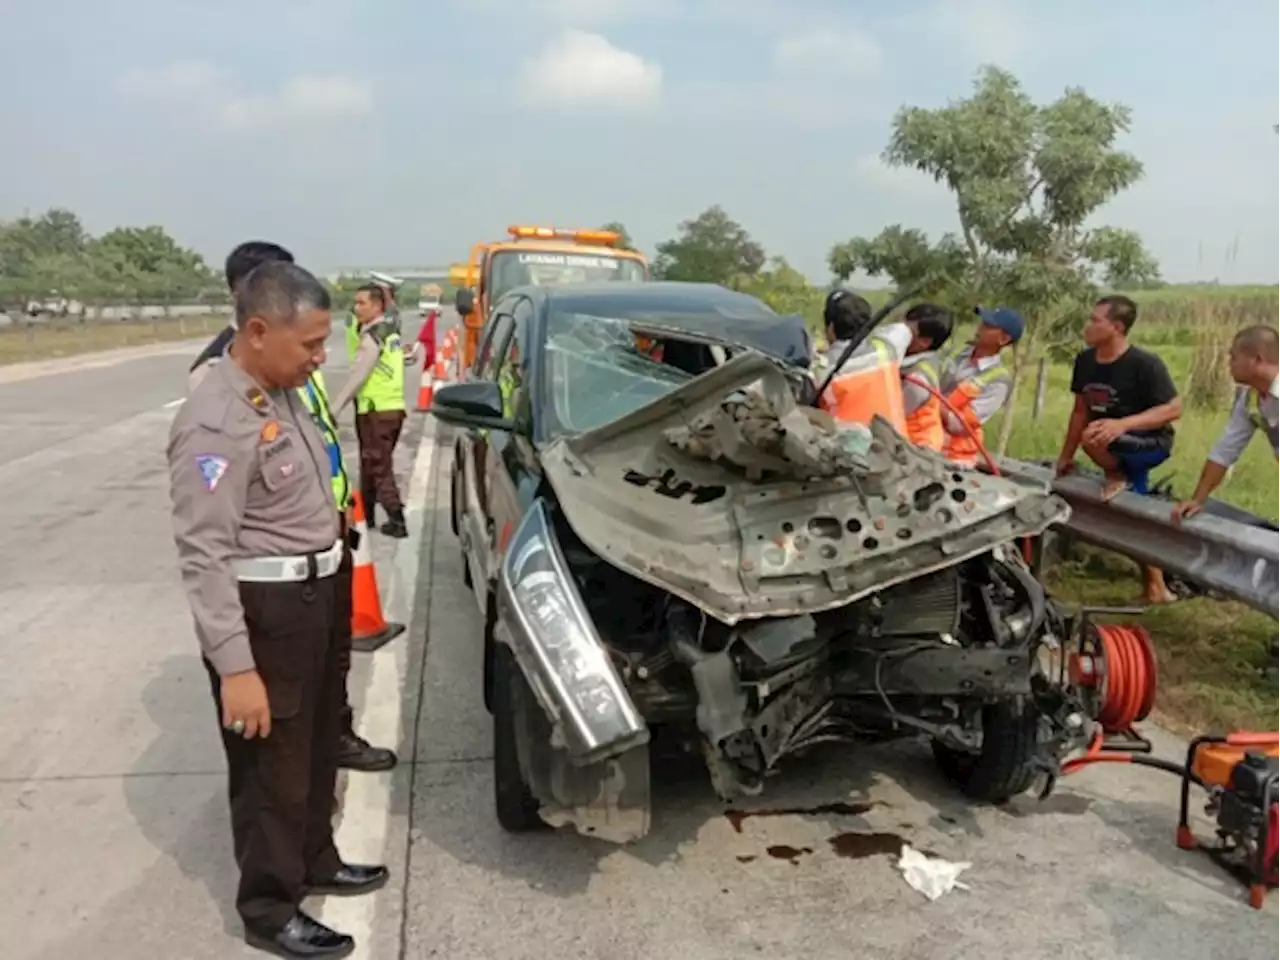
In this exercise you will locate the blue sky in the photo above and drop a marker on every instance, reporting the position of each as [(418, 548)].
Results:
[(392, 132)]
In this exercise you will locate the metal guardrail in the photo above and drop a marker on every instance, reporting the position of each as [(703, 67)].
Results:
[(1238, 560)]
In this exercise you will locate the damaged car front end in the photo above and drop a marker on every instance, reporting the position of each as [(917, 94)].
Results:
[(727, 564)]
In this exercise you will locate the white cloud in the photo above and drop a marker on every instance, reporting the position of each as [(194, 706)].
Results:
[(210, 94), (581, 70), (839, 51), (990, 30)]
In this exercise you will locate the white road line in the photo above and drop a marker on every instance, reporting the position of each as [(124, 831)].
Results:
[(175, 403), (366, 804)]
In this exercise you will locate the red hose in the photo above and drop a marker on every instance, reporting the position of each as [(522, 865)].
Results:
[(1129, 694), (977, 441)]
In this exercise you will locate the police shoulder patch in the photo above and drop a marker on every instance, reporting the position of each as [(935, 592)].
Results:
[(212, 468)]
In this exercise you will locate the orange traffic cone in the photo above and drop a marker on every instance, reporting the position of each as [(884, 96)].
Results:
[(426, 389), (369, 630)]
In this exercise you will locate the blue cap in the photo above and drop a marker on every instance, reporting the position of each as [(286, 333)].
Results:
[(1003, 318)]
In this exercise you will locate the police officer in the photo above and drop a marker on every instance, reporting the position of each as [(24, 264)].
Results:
[(259, 544), (354, 752), (376, 384)]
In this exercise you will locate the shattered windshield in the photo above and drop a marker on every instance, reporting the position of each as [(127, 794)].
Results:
[(598, 371)]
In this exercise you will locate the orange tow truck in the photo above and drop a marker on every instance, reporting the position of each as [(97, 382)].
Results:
[(535, 255)]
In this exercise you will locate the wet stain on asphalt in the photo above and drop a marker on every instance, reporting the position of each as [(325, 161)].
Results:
[(736, 817), (746, 857), (780, 851), (857, 846)]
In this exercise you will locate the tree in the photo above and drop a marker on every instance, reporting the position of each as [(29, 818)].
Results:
[(53, 255), (786, 290), (1025, 179), (711, 248), (625, 243)]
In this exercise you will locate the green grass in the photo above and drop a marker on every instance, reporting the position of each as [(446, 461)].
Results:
[(45, 341)]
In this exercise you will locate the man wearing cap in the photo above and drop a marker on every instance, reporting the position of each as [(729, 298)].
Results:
[(976, 383), (1126, 404)]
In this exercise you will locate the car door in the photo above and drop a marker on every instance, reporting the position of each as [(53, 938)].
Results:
[(474, 522), (509, 455)]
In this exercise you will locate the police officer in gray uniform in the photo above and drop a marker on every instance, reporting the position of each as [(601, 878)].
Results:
[(258, 542)]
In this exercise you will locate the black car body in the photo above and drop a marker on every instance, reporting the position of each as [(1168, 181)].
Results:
[(677, 542)]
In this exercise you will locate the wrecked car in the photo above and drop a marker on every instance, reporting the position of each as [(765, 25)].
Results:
[(660, 535)]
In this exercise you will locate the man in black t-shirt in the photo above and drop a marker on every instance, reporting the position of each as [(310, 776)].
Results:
[(1125, 407)]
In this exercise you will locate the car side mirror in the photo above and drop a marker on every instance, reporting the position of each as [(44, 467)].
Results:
[(476, 404), (464, 301)]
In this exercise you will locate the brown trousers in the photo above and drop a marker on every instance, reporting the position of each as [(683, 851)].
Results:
[(282, 787), (342, 630), (378, 433)]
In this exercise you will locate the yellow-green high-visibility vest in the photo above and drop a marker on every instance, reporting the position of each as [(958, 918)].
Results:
[(316, 399), (384, 389)]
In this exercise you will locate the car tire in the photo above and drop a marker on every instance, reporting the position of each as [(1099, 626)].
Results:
[(1004, 767), (490, 651), (516, 808)]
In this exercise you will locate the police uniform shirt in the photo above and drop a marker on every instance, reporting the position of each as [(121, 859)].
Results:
[(1249, 412), (249, 477), (372, 338)]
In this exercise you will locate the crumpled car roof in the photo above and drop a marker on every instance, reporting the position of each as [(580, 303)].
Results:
[(781, 516)]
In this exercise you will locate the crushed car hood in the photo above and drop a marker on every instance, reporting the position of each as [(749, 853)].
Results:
[(728, 494)]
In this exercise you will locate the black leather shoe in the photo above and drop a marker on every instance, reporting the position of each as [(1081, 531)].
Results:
[(355, 753), (302, 937), (351, 880), (395, 525)]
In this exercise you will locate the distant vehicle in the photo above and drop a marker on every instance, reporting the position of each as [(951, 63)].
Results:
[(427, 304)]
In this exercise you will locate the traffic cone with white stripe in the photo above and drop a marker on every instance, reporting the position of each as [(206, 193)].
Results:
[(369, 629), (426, 388)]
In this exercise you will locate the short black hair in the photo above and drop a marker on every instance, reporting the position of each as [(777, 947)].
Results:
[(1262, 340), (1120, 310), (277, 291), (847, 313), (374, 292), (251, 253), (932, 321)]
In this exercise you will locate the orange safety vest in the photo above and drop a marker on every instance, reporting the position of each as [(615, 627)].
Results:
[(857, 395), (959, 448), (924, 424)]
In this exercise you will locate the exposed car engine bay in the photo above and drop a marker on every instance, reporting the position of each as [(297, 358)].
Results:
[(730, 565)]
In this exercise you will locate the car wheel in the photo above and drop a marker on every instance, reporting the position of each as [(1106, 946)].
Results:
[(1004, 766), (515, 806), (490, 649)]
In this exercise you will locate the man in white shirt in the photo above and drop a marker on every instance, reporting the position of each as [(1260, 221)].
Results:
[(1255, 367)]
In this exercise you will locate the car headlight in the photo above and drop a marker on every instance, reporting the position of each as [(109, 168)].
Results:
[(554, 639)]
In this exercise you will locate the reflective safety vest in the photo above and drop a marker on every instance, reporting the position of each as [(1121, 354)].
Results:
[(960, 448), (384, 388), (868, 385), (924, 423), (316, 399)]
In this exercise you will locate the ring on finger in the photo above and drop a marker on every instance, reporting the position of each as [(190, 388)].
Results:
[(237, 726)]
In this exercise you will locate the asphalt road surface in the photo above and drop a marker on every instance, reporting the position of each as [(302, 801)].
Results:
[(114, 840)]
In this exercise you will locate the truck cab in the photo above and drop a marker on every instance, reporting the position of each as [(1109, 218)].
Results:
[(536, 256)]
